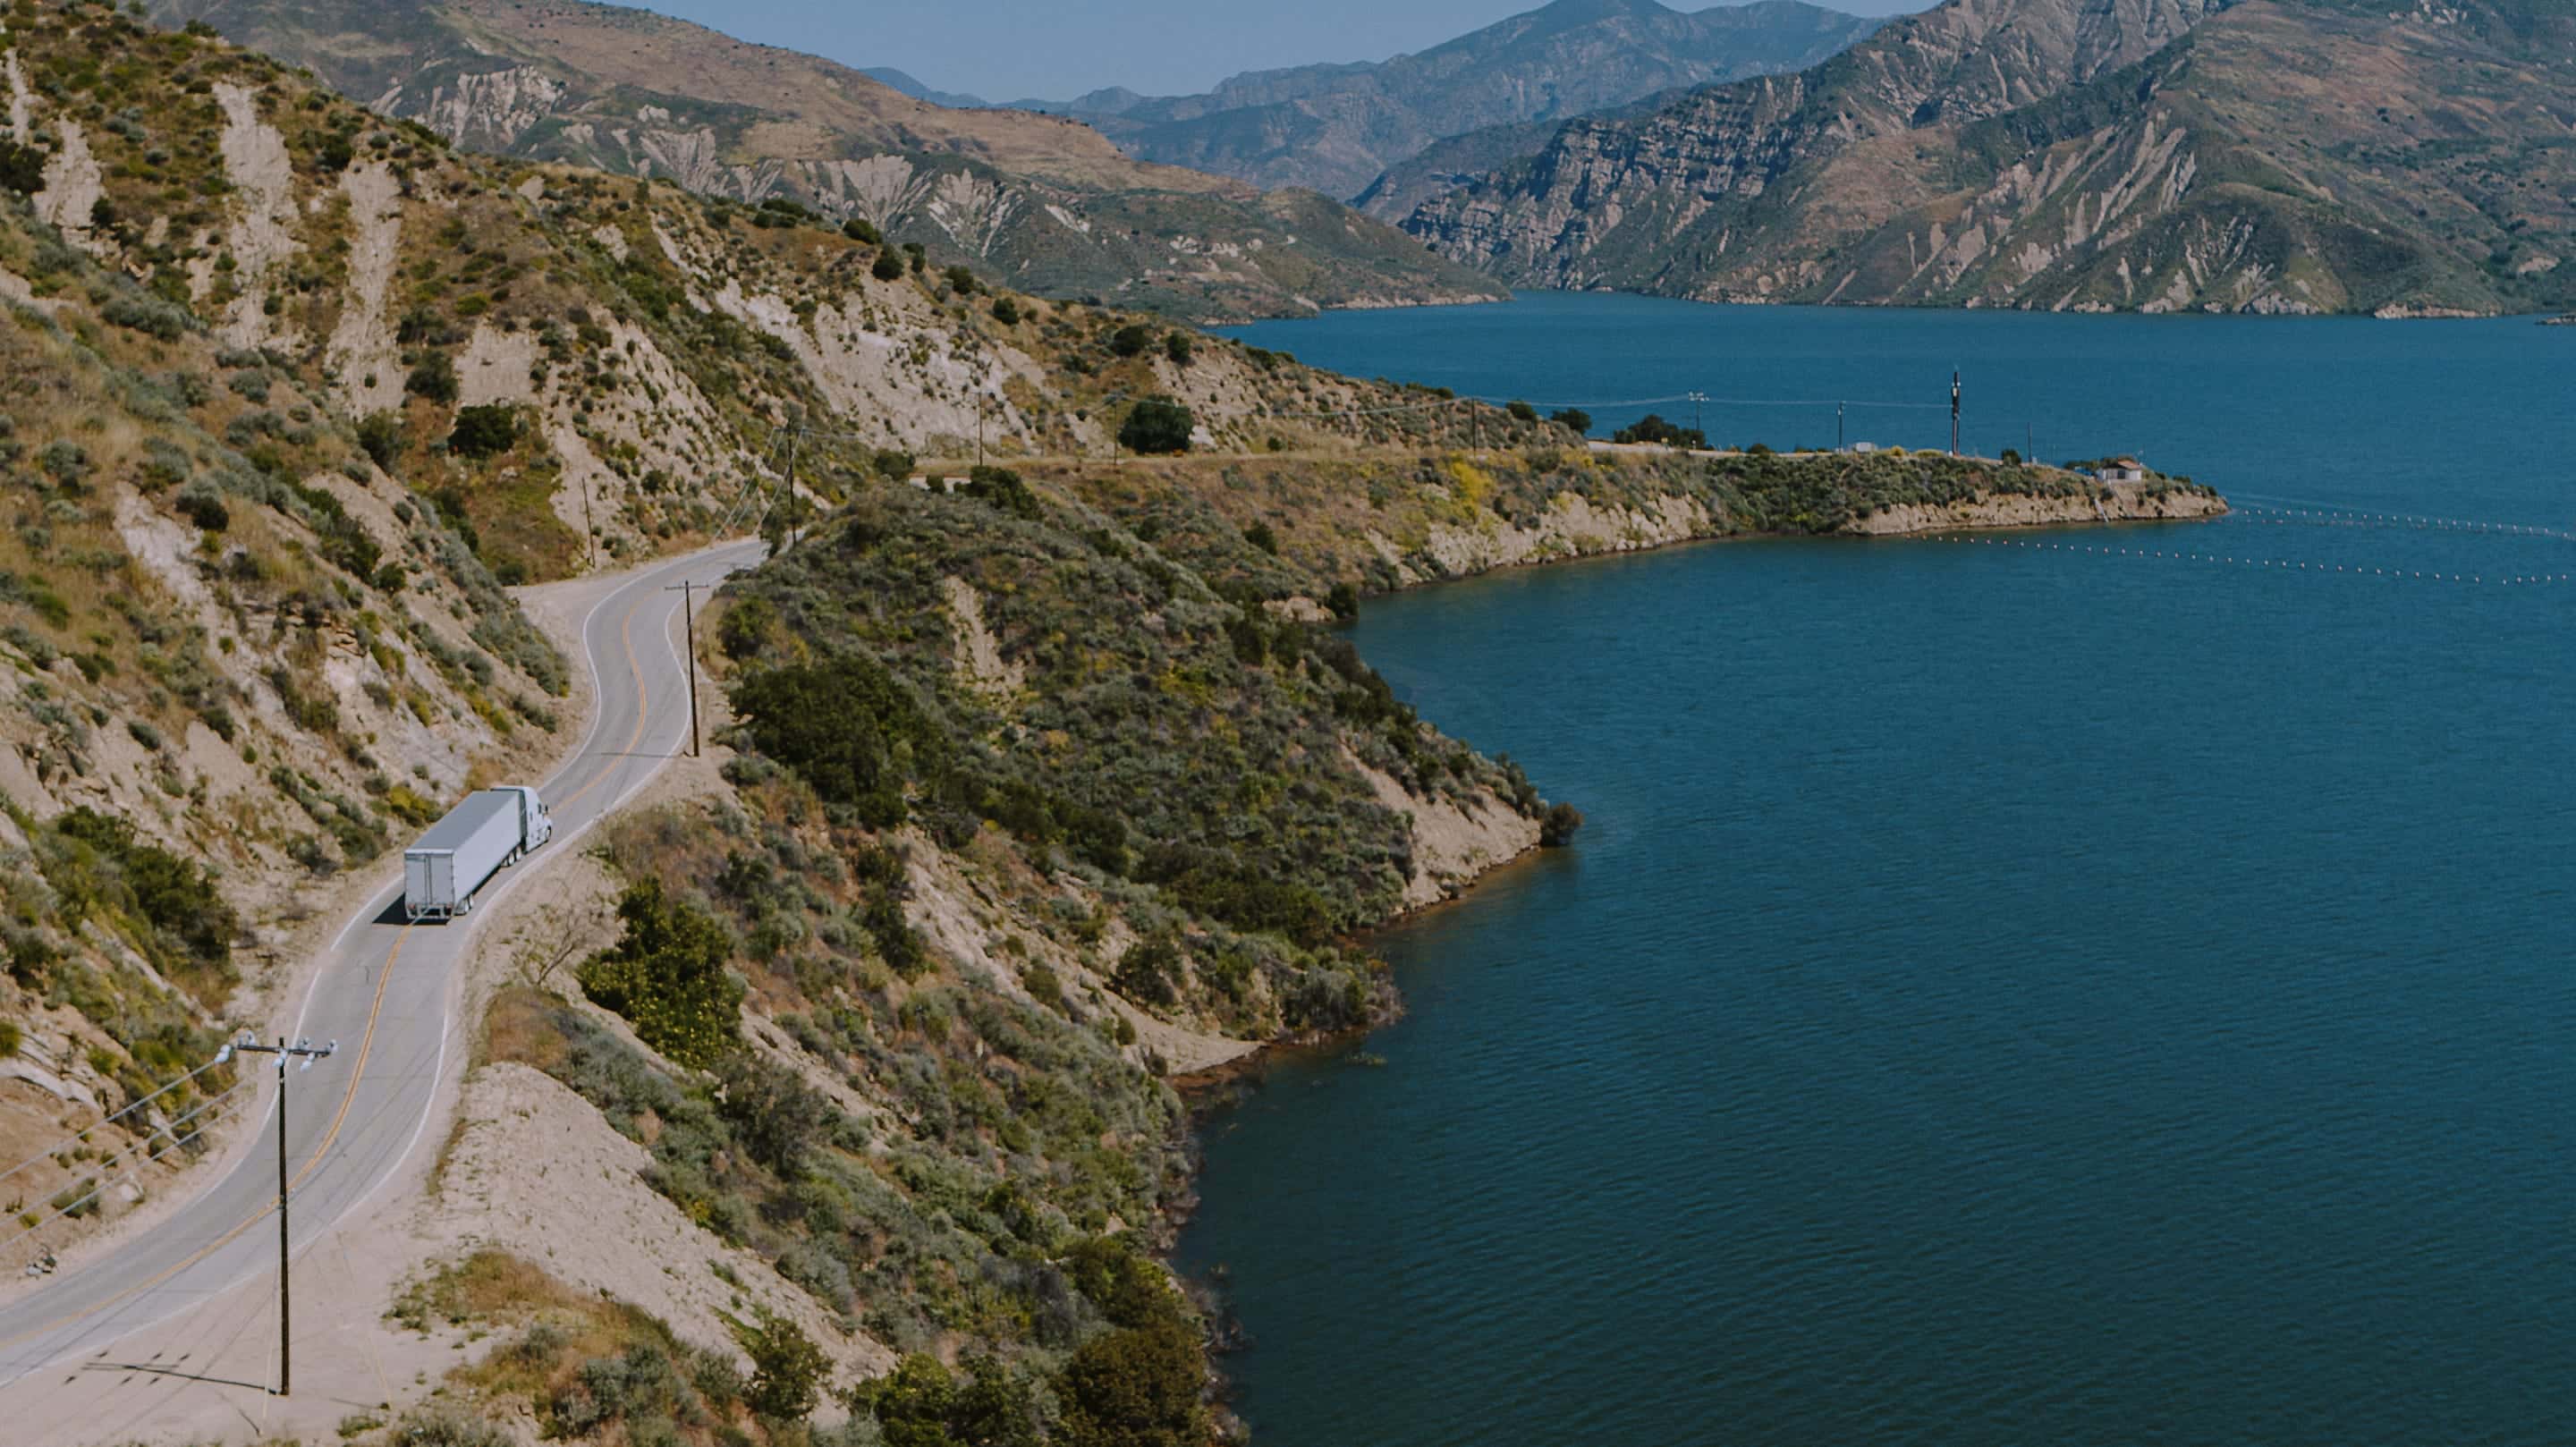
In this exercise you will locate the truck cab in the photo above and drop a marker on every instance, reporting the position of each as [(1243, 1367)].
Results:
[(536, 826)]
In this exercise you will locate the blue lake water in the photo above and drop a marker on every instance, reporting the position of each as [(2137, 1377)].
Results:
[(2004, 994)]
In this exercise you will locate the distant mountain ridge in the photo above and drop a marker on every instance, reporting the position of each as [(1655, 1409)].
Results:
[(2157, 155), (1336, 127), (1044, 202)]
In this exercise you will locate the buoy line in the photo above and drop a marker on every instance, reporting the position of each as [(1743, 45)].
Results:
[(2278, 565)]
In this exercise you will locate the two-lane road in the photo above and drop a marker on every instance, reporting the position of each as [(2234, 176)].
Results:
[(386, 994)]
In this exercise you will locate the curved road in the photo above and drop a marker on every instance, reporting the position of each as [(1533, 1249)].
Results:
[(385, 994)]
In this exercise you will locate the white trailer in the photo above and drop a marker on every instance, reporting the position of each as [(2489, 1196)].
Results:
[(491, 828)]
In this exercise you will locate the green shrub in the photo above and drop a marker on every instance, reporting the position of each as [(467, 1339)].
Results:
[(1572, 419), (745, 626), (861, 229), (836, 724), (961, 280), (888, 267), (787, 1368), (1002, 488), (484, 431), (379, 434), (1177, 347), (1559, 827), (1157, 425), (1129, 1288), (174, 896), (1523, 412), (202, 503), (922, 1404), (1006, 311), (1131, 340), (1135, 1388), (1150, 972), (1260, 535), (9, 1038), (1654, 429), (433, 378), (667, 976), (22, 168)]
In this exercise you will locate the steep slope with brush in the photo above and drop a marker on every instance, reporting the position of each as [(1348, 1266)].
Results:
[(2273, 156), (1045, 203)]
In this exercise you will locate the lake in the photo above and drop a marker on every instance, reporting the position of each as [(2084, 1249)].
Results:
[(2004, 993)]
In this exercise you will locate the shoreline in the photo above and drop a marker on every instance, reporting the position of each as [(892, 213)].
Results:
[(1207, 1093)]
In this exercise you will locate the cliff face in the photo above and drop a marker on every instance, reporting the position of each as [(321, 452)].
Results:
[(1335, 128), (2273, 157), (1043, 202)]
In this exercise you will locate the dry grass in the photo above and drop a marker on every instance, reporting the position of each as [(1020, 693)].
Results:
[(519, 1026)]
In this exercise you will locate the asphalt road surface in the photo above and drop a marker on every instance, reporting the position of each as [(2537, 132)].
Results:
[(385, 995)]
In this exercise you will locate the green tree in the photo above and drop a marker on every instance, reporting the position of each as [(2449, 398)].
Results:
[(1131, 340), (1006, 311), (861, 229), (1135, 1388), (1177, 347), (1344, 601), (888, 267), (1157, 424), (1572, 419), (961, 280), (1522, 412), (1261, 535), (666, 974)]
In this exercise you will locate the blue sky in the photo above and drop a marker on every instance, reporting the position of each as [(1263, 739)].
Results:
[(1057, 49)]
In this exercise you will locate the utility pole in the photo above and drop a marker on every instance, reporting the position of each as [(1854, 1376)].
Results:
[(1954, 412), (787, 504), (1696, 398), (2029, 444), (979, 429), (589, 530), (689, 625), (1838, 426), (308, 1052)]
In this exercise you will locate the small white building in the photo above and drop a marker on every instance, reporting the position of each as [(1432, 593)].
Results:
[(2122, 469)]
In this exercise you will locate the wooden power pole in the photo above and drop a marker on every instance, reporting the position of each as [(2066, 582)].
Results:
[(308, 1052), (686, 588)]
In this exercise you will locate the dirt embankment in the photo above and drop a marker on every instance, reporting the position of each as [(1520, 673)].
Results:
[(2128, 502)]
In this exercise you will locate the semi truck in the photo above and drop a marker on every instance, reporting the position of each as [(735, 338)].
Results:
[(491, 828)]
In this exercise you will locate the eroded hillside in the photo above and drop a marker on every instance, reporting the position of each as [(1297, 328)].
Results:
[(1044, 203), (2271, 156)]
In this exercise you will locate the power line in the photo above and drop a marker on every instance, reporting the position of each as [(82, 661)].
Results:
[(144, 1158), (75, 1137)]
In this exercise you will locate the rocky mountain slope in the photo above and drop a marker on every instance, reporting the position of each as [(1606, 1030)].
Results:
[(1042, 202), (1334, 128), (2272, 156)]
